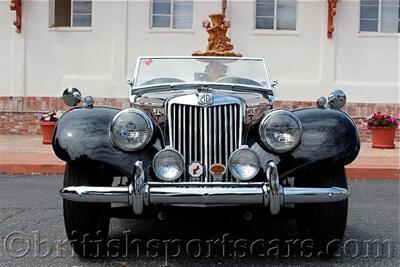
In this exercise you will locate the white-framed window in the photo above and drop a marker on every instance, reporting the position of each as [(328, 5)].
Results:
[(276, 14), (70, 13), (380, 16), (172, 14)]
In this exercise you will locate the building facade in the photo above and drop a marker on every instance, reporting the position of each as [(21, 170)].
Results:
[(93, 45)]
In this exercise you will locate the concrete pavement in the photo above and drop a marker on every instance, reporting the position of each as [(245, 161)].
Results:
[(21, 154), (27, 155), (31, 216)]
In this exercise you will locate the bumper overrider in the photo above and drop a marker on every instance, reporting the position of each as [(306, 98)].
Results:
[(140, 193)]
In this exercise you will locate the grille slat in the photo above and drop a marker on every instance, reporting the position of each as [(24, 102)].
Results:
[(219, 131), (226, 140), (201, 122), (179, 131), (195, 134), (205, 134), (184, 143), (215, 134), (189, 156)]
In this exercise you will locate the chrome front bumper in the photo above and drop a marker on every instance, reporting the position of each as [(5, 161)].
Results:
[(140, 194)]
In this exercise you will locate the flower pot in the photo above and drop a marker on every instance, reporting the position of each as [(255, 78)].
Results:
[(383, 137), (47, 128)]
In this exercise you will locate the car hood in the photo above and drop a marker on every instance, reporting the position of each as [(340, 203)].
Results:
[(158, 99)]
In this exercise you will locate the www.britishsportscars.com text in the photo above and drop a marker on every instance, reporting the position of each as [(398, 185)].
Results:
[(19, 244)]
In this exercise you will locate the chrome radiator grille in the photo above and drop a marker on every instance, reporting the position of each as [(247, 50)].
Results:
[(205, 134)]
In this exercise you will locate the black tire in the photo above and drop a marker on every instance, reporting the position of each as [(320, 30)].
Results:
[(324, 223), (86, 224)]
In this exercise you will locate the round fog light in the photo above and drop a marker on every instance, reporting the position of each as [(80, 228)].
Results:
[(168, 164), (243, 164)]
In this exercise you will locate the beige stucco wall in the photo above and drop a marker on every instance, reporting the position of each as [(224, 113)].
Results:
[(367, 65), (42, 61), (6, 49)]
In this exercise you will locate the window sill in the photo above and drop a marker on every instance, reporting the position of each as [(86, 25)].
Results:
[(169, 30), (378, 35), (275, 32), (70, 29)]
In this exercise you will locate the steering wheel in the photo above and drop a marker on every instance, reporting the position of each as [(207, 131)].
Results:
[(233, 79), (162, 80)]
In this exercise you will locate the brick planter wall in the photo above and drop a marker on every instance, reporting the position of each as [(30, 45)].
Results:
[(20, 115), (19, 123)]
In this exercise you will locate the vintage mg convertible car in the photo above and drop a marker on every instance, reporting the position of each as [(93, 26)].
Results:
[(202, 132)]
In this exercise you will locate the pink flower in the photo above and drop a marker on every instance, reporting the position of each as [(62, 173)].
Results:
[(379, 119)]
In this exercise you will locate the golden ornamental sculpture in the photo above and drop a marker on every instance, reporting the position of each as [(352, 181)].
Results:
[(218, 43)]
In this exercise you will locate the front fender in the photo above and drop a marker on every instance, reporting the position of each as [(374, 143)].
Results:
[(82, 135), (330, 137)]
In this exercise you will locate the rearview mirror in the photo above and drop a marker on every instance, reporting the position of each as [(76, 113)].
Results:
[(337, 99), (72, 96), (274, 83)]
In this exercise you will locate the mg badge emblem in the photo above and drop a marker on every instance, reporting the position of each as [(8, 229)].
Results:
[(195, 169), (205, 99)]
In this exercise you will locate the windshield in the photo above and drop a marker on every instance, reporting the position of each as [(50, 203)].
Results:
[(166, 70)]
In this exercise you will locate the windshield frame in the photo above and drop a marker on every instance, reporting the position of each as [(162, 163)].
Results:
[(139, 59)]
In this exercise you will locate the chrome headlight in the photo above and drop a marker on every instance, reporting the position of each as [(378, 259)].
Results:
[(131, 129), (168, 164), (244, 164), (280, 131)]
